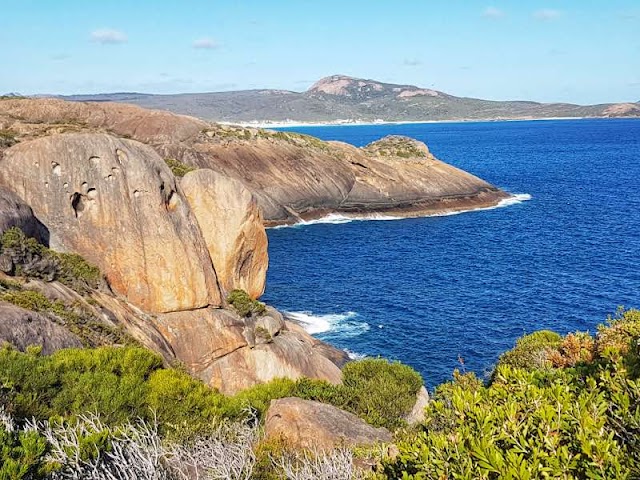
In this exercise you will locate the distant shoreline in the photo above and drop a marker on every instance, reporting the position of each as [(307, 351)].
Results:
[(344, 123)]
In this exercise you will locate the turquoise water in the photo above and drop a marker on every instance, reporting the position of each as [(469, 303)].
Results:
[(440, 292)]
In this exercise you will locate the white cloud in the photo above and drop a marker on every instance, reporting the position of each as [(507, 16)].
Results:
[(546, 14), (205, 43), (412, 62), (108, 36), (493, 12)]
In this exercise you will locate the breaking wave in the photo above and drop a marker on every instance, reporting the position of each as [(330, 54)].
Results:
[(337, 218), (342, 324)]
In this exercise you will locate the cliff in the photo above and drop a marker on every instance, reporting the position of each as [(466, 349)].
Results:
[(92, 179), (292, 176)]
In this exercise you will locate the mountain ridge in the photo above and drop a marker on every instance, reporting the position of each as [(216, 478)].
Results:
[(345, 99)]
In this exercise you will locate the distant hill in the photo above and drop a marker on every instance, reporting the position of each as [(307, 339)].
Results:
[(343, 98)]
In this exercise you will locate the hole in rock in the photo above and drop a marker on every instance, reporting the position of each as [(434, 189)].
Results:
[(57, 169), (78, 204)]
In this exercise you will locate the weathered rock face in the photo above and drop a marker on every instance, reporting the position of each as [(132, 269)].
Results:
[(292, 176), (232, 225), (231, 353), (116, 203), (15, 213), (22, 328), (314, 425), (417, 413)]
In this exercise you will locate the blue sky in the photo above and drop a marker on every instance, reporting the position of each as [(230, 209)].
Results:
[(581, 51)]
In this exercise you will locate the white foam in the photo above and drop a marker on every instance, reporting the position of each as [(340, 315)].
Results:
[(337, 218), (514, 199), (338, 323), (355, 355)]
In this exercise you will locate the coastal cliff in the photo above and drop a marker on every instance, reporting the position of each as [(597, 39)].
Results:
[(175, 246), (292, 176)]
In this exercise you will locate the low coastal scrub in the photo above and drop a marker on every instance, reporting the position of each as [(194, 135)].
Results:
[(178, 168), (7, 138), (31, 259), (244, 305), (380, 392), (572, 412), (554, 408)]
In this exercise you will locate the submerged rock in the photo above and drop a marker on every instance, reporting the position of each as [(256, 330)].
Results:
[(314, 425)]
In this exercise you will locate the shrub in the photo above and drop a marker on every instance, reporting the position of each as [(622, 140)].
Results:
[(245, 305), (379, 391), (178, 168), (527, 424), (620, 334), (7, 138), (575, 348), (32, 259), (531, 351)]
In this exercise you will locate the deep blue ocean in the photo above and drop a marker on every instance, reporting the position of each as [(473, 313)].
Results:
[(450, 292)]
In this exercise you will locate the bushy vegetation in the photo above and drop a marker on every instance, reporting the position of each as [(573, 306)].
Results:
[(381, 392), (178, 168), (32, 259), (396, 146), (531, 351), (118, 386), (7, 138), (579, 419), (245, 305)]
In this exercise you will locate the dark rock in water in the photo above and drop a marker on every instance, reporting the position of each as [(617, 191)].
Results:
[(309, 424), (22, 328)]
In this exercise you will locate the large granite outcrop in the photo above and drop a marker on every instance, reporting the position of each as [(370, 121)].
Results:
[(292, 176), (116, 203), (313, 425), (232, 225)]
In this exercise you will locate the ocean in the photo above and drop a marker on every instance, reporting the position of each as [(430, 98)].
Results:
[(440, 293)]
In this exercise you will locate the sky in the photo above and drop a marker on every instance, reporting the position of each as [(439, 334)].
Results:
[(579, 51)]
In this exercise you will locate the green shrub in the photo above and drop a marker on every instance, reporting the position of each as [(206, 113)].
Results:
[(28, 299), (21, 453), (7, 138), (178, 168), (32, 259), (380, 392), (245, 305), (541, 424), (531, 351)]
